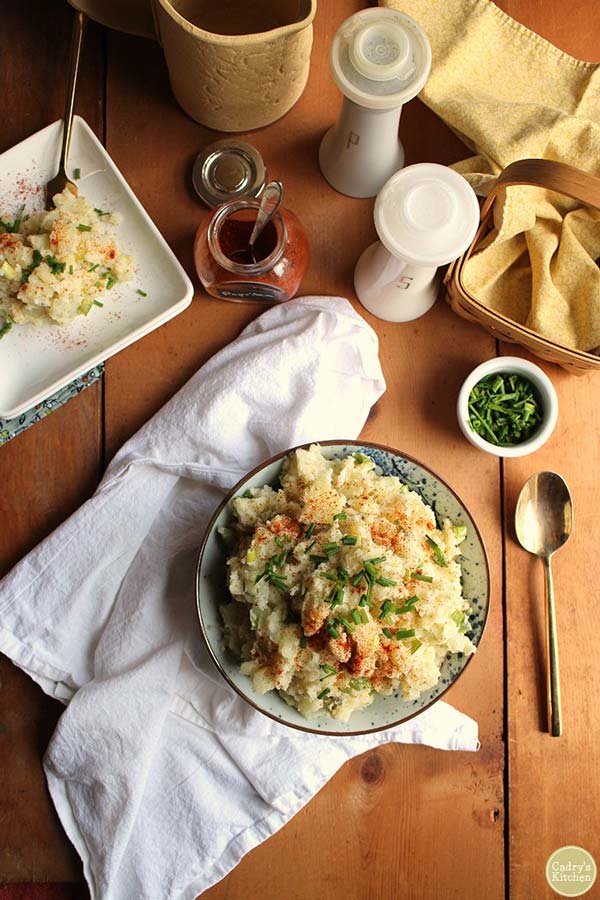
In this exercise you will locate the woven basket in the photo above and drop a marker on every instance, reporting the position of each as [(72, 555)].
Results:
[(543, 173)]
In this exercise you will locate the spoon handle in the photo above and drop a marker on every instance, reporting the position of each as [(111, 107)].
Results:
[(553, 673), (269, 204)]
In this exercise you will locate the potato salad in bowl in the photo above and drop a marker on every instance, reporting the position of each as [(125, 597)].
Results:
[(343, 589)]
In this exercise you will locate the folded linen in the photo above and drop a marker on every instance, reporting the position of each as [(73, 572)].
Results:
[(510, 94), (154, 750)]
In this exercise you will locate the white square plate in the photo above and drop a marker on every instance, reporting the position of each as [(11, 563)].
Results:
[(37, 360)]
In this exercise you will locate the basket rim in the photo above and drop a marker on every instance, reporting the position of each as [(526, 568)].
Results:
[(455, 277)]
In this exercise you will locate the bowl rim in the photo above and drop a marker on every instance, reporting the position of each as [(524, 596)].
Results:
[(541, 382), (209, 530)]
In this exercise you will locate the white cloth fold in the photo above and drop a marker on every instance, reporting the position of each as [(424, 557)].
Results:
[(163, 777)]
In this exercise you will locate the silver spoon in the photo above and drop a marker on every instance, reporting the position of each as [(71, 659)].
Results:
[(61, 180), (543, 522), (270, 202)]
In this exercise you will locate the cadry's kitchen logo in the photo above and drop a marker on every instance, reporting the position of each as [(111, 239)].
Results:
[(571, 871)]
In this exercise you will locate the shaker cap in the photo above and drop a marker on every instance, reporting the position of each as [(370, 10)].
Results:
[(426, 214), (227, 170), (380, 58)]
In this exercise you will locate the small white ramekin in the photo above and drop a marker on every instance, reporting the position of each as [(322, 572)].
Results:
[(511, 365)]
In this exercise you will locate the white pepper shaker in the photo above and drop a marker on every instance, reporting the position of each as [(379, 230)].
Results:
[(425, 215), (380, 59)]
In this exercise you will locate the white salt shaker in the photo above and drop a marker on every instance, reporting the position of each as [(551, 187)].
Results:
[(380, 59), (426, 215)]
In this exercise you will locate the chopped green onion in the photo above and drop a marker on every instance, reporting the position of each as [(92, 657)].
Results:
[(371, 571), (247, 495), (310, 531), (336, 598), (8, 323), (70, 270), (310, 546), (328, 576), (278, 581), (356, 617), (504, 414), (385, 582), (331, 670), (349, 540), (408, 606), (94, 267), (141, 293), (438, 556), (332, 545), (97, 303), (77, 174), (403, 633), (347, 623), (363, 600), (357, 578), (460, 533), (341, 515), (101, 212), (427, 578), (387, 633), (279, 542), (37, 259), (414, 645), (376, 560), (85, 306), (359, 684), (386, 608), (457, 617), (364, 616), (111, 281), (303, 641), (84, 227), (323, 694), (317, 559), (359, 458), (330, 627)]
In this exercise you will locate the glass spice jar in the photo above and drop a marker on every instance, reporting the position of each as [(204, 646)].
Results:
[(227, 268)]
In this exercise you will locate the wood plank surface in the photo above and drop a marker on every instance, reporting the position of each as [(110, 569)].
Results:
[(50, 469), (554, 782), (385, 807), (400, 821)]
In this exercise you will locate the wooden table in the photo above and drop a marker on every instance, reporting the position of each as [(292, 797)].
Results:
[(400, 821)]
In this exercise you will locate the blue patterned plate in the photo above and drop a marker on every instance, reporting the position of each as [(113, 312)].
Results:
[(384, 712)]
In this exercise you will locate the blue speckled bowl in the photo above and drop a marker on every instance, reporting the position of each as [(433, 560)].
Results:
[(384, 711)]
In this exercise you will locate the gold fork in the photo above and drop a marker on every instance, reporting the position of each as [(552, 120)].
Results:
[(61, 180)]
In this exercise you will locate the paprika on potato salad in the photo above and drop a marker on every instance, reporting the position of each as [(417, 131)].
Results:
[(343, 586)]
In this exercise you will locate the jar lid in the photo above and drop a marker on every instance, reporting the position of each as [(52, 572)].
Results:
[(426, 214), (380, 58), (227, 170)]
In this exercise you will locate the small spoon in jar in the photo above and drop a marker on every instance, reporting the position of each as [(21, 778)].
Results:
[(270, 202)]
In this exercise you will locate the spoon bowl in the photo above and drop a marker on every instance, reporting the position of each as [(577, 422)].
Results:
[(544, 514), (543, 523)]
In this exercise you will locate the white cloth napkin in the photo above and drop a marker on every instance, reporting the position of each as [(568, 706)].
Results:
[(162, 776)]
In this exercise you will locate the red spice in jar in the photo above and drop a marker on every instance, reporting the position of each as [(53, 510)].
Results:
[(226, 267), (234, 240)]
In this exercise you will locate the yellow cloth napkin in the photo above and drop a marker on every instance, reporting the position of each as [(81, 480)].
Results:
[(510, 94)]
